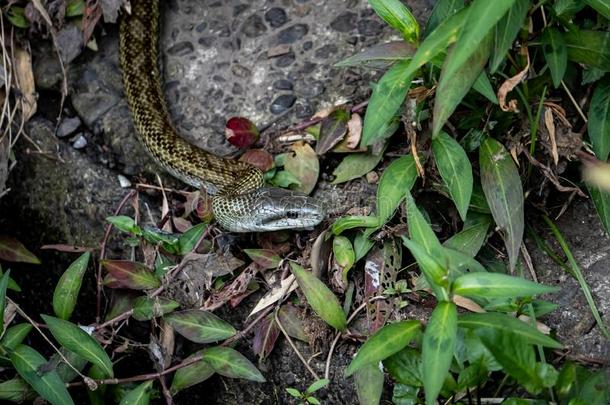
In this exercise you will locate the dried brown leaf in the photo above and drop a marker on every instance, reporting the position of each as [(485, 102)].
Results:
[(24, 81), (508, 85), (550, 127)]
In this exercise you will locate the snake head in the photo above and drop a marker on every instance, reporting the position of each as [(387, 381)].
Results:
[(267, 209)]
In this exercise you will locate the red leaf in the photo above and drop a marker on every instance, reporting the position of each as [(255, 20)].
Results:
[(241, 132), (265, 335), (126, 274), (259, 158), (12, 250)]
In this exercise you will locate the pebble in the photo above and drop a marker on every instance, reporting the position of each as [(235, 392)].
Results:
[(311, 89), (292, 34), (254, 26), (285, 60), (282, 103), (124, 181), (303, 109), (369, 28), (283, 84), (326, 51), (181, 48), (68, 126), (344, 22), (80, 142), (276, 17)]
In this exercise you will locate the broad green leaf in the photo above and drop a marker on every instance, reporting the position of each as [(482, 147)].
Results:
[(397, 180), (192, 374), (369, 384), (420, 230), (125, 224), (344, 255), (455, 169), (388, 340), (200, 326), (472, 376), (158, 237), (567, 8), (127, 274), (405, 395), (502, 186), (437, 348), (12, 250), (16, 390), (385, 101), (599, 120), (405, 367), (589, 47), (3, 286), (478, 202), (555, 53), (48, 385), (65, 371), (230, 363), (601, 199), (494, 285), (443, 9), (145, 308), (506, 31), (357, 221), (380, 56), (139, 395), (317, 385), (355, 165), (16, 16), (66, 291), (483, 86), (363, 243), (601, 6), (436, 275), (456, 80), (470, 239), (78, 341), (320, 297), (505, 323), (15, 335), (189, 239), (265, 258), (397, 16)]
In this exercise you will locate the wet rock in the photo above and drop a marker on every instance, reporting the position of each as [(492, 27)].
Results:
[(292, 34), (344, 22), (276, 17), (68, 126), (79, 141), (181, 49), (285, 60), (254, 26), (283, 84), (303, 109), (282, 103)]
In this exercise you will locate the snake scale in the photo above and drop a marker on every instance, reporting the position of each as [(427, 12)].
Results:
[(241, 202)]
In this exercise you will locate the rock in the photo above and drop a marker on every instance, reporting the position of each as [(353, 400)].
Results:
[(240, 8), (292, 34), (310, 89), (70, 43), (276, 17), (303, 109), (181, 48), (254, 26), (91, 107), (325, 52), (370, 28), (241, 71), (68, 126), (344, 22), (45, 65), (79, 142), (282, 103), (283, 84), (285, 60)]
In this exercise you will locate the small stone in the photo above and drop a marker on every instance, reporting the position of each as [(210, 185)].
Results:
[(285, 60), (303, 109), (292, 34), (326, 51), (369, 28), (254, 26), (240, 8), (79, 142), (372, 177), (68, 126), (276, 17), (241, 71), (237, 89), (206, 41), (311, 89), (307, 45), (282, 103), (344, 22), (181, 48), (124, 181), (283, 84), (201, 27), (278, 51), (353, 40)]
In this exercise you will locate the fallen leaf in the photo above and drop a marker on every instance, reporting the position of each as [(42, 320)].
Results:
[(509, 84), (287, 286), (550, 126), (237, 287), (259, 158), (332, 130), (304, 165), (24, 80), (241, 132)]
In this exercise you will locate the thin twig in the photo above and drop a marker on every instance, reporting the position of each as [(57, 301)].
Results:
[(298, 353), (582, 115)]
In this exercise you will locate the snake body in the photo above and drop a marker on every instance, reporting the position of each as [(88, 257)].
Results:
[(241, 202)]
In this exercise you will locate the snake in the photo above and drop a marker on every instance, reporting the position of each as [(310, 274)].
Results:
[(241, 202)]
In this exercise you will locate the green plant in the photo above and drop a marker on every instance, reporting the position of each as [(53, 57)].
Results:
[(306, 397)]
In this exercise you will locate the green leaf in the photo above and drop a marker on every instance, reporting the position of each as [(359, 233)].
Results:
[(139, 395), (443, 9), (294, 392), (189, 239), (455, 169), (78, 341), (230, 363), (601, 6), (601, 200), (555, 53), (470, 239), (385, 101), (494, 285), (125, 224), (369, 384), (502, 186), (320, 297), (75, 8), (68, 287), (66, 372), (16, 16), (15, 335), (380, 56), (437, 348), (405, 367), (589, 47), (483, 86), (397, 180), (145, 308), (192, 374), (316, 385), (505, 323), (436, 275), (265, 258), (398, 17), (12, 250), (506, 31), (388, 340), (420, 230), (97, 397), (16, 390), (48, 385), (3, 285), (200, 326), (355, 165), (357, 221), (567, 8), (599, 120), (343, 253), (127, 274)]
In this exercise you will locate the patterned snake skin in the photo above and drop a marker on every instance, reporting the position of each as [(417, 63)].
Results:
[(241, 203)]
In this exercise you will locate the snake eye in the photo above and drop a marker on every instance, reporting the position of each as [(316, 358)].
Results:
[(292, 214)]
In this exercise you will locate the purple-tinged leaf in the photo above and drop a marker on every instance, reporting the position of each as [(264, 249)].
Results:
[(200, 326), (127, 274), (12, 250)]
